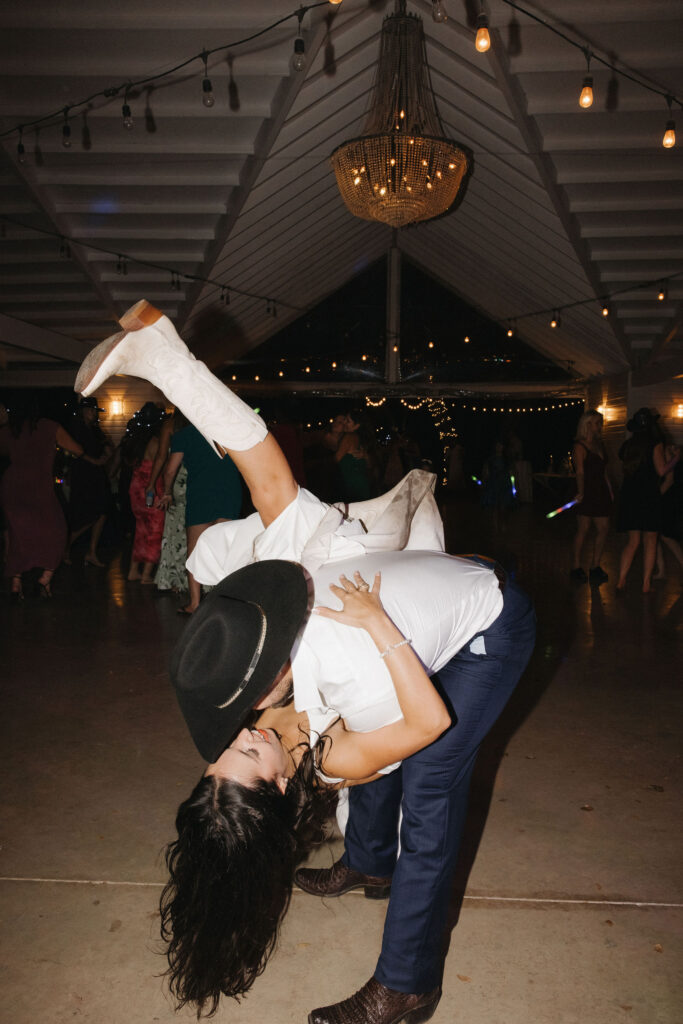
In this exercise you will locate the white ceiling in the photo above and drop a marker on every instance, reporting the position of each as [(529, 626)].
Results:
[(564, 204)]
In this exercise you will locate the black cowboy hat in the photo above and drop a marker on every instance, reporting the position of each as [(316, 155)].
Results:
[(234, 646), (642, 419)]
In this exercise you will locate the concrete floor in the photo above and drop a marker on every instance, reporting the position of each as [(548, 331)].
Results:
[(572, 908)]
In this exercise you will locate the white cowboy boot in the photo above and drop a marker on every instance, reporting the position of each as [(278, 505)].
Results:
[(149, 347)]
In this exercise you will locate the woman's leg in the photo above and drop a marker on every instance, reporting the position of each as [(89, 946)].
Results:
[(149, 347), (91, 556), (649, 555), (582, 524), (601, 524), (675, 548), (627, 556), (660, 564), (44, 582), (194, 532)]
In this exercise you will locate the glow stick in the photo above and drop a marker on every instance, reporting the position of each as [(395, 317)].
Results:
[(562, 508), (477, 480), (514, 489)]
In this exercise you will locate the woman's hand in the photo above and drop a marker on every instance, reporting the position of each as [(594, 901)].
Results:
[(163, 502), (360, 602)]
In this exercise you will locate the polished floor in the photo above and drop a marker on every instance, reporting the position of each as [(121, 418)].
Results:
[(569, 896)]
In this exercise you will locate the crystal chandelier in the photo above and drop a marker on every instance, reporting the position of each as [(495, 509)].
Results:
[(401, 169)]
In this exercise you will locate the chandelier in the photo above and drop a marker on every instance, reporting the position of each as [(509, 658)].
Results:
[(401, 169)]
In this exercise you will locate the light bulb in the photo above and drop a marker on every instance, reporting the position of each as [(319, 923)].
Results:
[(483, 39), (556, 321), (510, 332), (439, 12), (128, 122), (299, 61), (335, 3), (669, 140), (586, 97), (208, 98), (662, 294), (66, 135), (21, 152), (605, 310)]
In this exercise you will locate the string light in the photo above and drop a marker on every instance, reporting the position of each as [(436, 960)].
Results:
[(483, 39), (556, 320), (299, 59), (225, 296), (586, 97), (605, 310), (66, 130), (21, 150), (121, 266), (511, 329), (466, 339), (663, 293), (128, 122), (438, 12), (483, 44), (208, 98), (669, 140), (375, 405)]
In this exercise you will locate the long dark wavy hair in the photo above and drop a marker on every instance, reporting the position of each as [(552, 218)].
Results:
[(231, 875)]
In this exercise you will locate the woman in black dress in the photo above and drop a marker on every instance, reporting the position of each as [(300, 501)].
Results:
[(90, 496), (594, 495), (640, 506)]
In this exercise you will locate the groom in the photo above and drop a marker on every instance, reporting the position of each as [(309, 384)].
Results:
[(431, 788)]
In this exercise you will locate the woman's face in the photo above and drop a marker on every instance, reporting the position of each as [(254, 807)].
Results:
[(595, 425), (255, 754)]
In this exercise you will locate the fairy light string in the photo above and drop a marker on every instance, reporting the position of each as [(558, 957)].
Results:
[(114, 91)]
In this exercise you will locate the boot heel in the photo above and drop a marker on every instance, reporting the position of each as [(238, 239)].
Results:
[(142, 314), (377, 892), (92, 362), (423, 1013)]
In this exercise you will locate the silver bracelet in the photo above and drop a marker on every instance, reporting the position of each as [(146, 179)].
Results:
[(393, 647)]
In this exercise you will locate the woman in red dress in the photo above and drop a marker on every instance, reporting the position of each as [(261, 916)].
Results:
[(140, 447)]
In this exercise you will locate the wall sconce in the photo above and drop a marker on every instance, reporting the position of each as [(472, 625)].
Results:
[(678, 411), (116, 407)]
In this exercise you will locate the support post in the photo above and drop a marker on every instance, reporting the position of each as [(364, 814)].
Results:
[(392, 359)]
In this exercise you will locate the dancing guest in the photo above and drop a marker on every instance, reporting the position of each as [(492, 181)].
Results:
[(171, 574), (90, 492), (36, 528), (140, 447), (640, 502), (594, 495), (213, 493)]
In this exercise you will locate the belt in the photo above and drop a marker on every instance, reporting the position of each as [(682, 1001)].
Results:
[(496, 568)]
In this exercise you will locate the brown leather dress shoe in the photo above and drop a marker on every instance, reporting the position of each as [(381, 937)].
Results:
[(338, 879), (376, 1004)]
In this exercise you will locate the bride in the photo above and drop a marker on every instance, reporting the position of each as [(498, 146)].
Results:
[(355, 610)]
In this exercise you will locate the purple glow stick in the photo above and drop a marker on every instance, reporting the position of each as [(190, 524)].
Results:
[(562, 508)]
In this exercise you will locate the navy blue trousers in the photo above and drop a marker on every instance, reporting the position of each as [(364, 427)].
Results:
[(432, 789)]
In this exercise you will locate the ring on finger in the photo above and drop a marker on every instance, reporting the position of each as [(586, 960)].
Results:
[(363, 586)]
